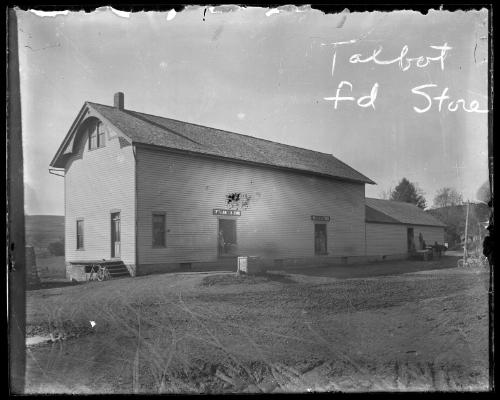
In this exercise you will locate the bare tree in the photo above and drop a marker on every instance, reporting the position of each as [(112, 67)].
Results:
[(483, 193), (385, 194), (446, 197)]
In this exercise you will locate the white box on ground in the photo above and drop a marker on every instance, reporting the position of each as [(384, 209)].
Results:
[(249, 265), (242, 264)]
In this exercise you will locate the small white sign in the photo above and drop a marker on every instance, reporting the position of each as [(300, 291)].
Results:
[(243, 264)]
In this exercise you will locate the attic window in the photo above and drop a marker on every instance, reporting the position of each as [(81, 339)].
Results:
[(96, 136)]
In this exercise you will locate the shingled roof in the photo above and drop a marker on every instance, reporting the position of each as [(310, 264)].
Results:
[(177, 135), (397, 212)]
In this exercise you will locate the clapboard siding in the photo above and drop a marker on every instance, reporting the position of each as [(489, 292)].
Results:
[(96, 182), (430, 234), (277, 223), (386, 239)]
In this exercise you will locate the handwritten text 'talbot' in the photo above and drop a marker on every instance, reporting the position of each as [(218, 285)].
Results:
[(429, 94)]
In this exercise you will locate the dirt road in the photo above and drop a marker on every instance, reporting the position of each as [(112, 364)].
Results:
[(314, 330)]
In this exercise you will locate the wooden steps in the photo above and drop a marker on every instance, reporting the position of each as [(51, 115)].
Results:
[(116, 268)]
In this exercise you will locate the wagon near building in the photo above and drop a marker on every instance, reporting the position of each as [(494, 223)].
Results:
[(156, 194)]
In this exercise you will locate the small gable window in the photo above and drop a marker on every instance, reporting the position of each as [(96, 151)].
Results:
[(100, 135), (93, 139), (96, 136)]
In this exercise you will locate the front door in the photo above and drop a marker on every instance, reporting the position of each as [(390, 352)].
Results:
[(227, 237), (115, 235), (320, 239), (409, 237)]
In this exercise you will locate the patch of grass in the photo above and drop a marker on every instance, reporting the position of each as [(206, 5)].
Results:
[(244, 279), (53, 267), (52, 285)]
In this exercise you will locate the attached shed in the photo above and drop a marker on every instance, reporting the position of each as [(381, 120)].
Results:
[(392, 227)]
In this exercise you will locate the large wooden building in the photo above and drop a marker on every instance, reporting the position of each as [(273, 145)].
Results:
[(159, 194)]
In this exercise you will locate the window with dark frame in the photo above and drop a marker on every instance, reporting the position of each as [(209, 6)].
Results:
[(96, 136), (93, 138), (159, 230), (100, 135), (79, 234)]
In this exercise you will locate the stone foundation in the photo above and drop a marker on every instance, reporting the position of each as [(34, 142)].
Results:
[(77, 272), (312, 262), (231, 264)]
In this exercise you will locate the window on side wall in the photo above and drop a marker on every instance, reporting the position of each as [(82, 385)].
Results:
[(79, 234), (159, 220)]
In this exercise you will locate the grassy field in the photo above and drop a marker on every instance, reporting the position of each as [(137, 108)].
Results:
[(51, 267), (41, 230), (299, 331)]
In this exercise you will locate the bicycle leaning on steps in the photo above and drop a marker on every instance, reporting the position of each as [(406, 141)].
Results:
[(99, 273)]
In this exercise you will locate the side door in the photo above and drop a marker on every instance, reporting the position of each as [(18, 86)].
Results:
[(115, 235)]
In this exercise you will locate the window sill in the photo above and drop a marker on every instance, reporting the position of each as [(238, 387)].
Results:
[(82, 249), (158, 247), (96, 148)]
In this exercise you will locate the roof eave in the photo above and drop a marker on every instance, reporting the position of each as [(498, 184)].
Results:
[(403, 223), (437, 223), (68, 136), (81, 114), (194, 153)]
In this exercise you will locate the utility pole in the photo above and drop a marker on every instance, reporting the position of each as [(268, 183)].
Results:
[(465, 238)]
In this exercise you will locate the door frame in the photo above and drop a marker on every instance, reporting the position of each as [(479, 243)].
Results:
[(408, 244), (233, 218), (112, 247), (326, 239)]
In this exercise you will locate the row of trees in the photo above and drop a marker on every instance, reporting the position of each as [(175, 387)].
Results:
[(410, 192), (449, 207), (454, 218)]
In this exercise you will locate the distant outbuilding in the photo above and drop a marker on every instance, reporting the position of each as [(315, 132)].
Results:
[(394, 228)]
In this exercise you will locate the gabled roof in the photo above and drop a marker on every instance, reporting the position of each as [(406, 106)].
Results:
[(372, 215), (168, 133), (397, 212)]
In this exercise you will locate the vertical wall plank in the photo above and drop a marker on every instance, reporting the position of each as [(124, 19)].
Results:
[(15, 215)]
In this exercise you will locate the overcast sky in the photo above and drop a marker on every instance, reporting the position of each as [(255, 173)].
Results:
[(271, 76)]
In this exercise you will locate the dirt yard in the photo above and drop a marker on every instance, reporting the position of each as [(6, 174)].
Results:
[(394, 326)]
